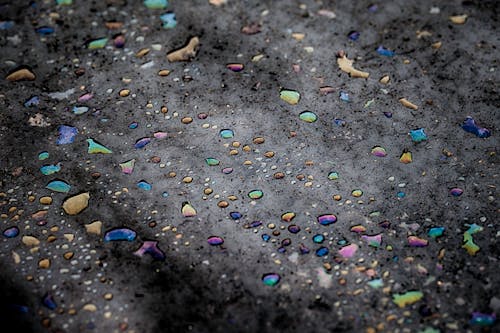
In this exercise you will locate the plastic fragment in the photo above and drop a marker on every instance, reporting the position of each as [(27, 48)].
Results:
[(50, 169), (97, 148), (58, 186), (120, 234), (407, 298), (482, 319), (151, 248), (469, 125), (168, 20), (292, 97), (385, 52), (128, 166), (67, 134), (185, 53), (418, 135), (345, 65), (408, 104), (98, 43)]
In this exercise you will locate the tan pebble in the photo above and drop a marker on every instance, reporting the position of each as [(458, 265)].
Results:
[(408, 104), (308, 184), (124, 92), (23, 74), (269, 154), (236, 144), (54, 228), (172, 174), (69, 237), (30, 241), (4, 216), (90, 307), (44, 263), (68, 255), (107, 314), (149, 105), (108, 296), (164, 109), (233, 152), (246, 148), (16, 257), (51, 238), (436, 45), (300, 177), (95, 175), (187, 180), (370, 330), (142, 52), (187, 120), (155, 159), (342, 281), (72, 312), (113, 25), (163, 72), (208, 191), (232, 197), (247, 162), (345, 64), (385, 79), (298, 36), (271, 225), (279, 175), (185, 53), (258, 140), (94, 227), (309, 163), (458, 19), (223, 204), (45, 200), (13, 209), (46, 322), (31, 198), (75, 204)]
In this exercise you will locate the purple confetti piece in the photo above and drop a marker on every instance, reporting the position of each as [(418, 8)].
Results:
[(215, 240), (414, 241), (120, 234), (151, 248), (141, 143), (327, 219), (470, 126), (67, 134)]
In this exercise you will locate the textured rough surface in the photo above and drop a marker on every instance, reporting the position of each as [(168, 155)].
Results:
[(213, 270)]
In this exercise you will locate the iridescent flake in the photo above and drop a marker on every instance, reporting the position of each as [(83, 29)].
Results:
[(287, 217), (292, 97), (318, 238), (406, 157), (85, 97), (235, 67), (144, 185), (322, 251), (212, 161), (385, 52), (379, 151), (168, 20), (407, 298), (58, 186), (49, 302), (128, 167), (308, 116), (344, 96), (133, 125), (45, 30), (226, 133), (353, 35), (348, 251), (266, 237), (98, 43), (471, 247), (255, 194), (160, 135), (187, 210), (373, 240), (333, 176), (141, 143), (469, 125), (418, 135), (358, 228), (11, 232), (271, 279), (252, 225), (156, 4), (151, 248), (482, 319), (376, 283), (120, 234), (67, 134), (97, 148), (435, 232), (339, 122), (215, 240), (50, 169), (326, 219), (80, 109), (414, 241), (456, 192), (33, 101)]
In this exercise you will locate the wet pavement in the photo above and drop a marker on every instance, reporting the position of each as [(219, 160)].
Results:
[(249, 166)]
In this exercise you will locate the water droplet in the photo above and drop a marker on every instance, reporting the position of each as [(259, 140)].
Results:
[(43, 156), (144, 185), (322, 251), (293, 228), (235, 215), (120, 234), (327, 219), (141, 143), (11, 232), (226, 133), (271, 279), (255, 194), (188, 210), (58, 186), (318, 239), (215, 240), (379, 151), (290, 96), (308, 116)]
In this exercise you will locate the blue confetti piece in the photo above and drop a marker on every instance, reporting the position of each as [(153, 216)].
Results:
[(470, 126), (385, 52), (67, 134)]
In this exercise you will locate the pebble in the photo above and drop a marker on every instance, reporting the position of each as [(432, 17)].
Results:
[(94, 227), (30, 241), (22, 74), (44, 263), (76, 204)]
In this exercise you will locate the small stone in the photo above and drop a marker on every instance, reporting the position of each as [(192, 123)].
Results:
[(258, 140), (269, 154), (45, 200), (142, 52), (68, 255), (408, 104), (223, 204), (187, 120), (69, 237), (30, 241), (187, 180), (279, 175), (22, 74), (186, 53), (94, 227), (108, 296), (90, 307), (44, 263), (124, 92), (164, 72), (458, 19), (75, 204), (384, 79)]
